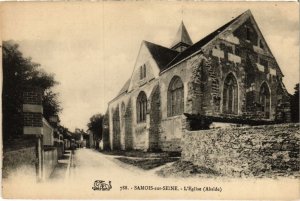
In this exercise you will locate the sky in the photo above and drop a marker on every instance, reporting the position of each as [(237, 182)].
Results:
[(91, 47)]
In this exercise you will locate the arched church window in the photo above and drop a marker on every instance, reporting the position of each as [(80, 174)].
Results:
[(230, 95), (141, 107), (143, 71), (175, 97), (264, 99)]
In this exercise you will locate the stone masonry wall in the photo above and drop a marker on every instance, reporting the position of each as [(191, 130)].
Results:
[(251, 63), (245, 151)]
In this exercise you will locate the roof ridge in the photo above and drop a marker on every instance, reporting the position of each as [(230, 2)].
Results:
[(215, 33), (162, 55), (159, 45)]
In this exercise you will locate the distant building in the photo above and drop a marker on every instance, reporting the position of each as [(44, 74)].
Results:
[(82, 138), (229, 74)]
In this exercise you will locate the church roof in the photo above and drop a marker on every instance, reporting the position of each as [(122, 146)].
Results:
[(124, 88), (161, 55), (166, 57), (182, 36), (197, 46)]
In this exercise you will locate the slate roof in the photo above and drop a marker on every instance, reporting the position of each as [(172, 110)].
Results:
[(197, 46), (162, 55), (182, 36), (166, 57)]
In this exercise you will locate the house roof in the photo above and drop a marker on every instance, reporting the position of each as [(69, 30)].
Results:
[(197, 46), (182, 36), (161, 55)]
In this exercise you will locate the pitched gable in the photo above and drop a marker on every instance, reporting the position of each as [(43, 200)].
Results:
[(198, 45), (149, 62), (227, 32), (247, 29), (155, 58), (160, 54), (256, 41)]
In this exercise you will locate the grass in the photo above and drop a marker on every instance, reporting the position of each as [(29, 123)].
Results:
[(185, 169), (147, 164), (142, 154)]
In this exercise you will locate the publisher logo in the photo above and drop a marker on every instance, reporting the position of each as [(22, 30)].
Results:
[(100, 185)]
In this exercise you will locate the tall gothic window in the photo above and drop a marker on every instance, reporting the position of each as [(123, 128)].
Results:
[(141, 107), (175, 97), (230, 95), (143, 71), (264, 99)]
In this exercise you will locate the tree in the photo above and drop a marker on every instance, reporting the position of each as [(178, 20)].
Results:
[(295, 104), (51, 105), (20, 72), (95, 126), (64, 131)]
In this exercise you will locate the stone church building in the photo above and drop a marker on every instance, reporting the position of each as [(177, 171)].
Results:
[(231, 75)]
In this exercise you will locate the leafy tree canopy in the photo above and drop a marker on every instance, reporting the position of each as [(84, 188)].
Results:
[(19, 72), (95, 126)]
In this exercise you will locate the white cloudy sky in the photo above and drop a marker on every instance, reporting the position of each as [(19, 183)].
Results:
[(92, 47)]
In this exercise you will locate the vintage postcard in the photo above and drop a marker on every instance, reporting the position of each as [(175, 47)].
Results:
[(150, 100)]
